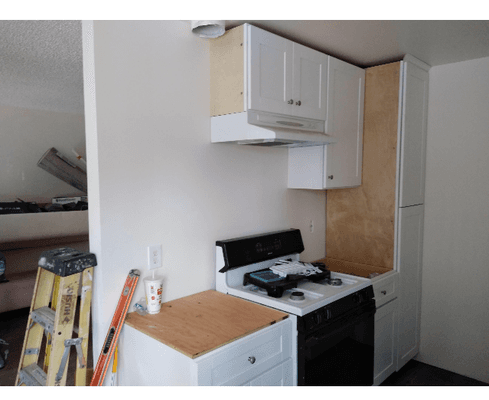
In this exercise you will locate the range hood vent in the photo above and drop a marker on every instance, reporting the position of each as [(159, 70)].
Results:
[(267, 129)]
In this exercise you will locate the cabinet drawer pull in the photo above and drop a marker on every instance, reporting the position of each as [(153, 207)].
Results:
[(384, 292), (291, 101), (330, 177), (298, 103), (252, 359)]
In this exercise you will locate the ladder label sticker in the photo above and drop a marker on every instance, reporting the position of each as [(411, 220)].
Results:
[(67, 303)]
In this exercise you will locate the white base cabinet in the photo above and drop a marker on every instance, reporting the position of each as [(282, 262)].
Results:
[(385, 354), (386, 325), (263, 358)]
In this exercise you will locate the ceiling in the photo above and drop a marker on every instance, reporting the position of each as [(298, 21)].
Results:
[(41, 65), (368, 43), (41, 61)]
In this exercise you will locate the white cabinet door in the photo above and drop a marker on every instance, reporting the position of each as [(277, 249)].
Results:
[(310, 86), (385, 358), (269, 72), (410, 249), (281, 375), (413, 134), (346, 94)]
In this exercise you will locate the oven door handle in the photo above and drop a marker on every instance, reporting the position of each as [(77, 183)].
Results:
[(344, 321)]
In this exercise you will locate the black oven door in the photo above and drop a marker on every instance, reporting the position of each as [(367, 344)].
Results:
[(340, 352)]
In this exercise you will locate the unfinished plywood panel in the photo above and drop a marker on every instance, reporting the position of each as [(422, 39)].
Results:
[(360, 221), (197, 324), (227, 72), (350, 268)]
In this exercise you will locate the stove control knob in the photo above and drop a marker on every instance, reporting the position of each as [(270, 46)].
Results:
[(328, 314), (356, 298)]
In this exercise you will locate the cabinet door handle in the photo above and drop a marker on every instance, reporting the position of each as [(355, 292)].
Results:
[(330, 177), (384, 292), (252, 359), (291, 101), (298, 103)]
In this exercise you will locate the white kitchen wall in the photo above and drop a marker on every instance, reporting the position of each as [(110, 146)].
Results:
[(155, 178), (455, 301), (25, 135)]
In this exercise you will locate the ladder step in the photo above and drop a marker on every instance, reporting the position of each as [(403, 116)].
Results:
[(66, 261), (45, 317), (33, 375)]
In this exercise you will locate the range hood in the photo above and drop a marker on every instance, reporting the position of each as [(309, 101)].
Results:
[(266, 129)]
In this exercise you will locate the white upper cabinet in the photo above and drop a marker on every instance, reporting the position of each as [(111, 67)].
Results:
[(285, 77), (337, 165), (346, 96), (413, 135)]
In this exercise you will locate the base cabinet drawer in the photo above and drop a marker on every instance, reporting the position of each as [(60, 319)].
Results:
[(249, 358), (385, 288)]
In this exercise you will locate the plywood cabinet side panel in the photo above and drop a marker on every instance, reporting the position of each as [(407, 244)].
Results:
[(227, 72), (360, 221)]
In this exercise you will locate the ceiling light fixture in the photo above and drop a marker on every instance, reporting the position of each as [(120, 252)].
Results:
[(208, 29)]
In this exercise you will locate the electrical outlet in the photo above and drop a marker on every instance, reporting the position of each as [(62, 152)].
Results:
[(154, 256)]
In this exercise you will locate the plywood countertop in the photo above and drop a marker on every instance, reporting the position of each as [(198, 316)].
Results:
[(197, 324)]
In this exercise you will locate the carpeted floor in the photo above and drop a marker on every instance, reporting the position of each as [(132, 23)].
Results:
[(12, 330)]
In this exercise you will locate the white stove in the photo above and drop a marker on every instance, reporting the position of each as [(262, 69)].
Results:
[(286, 244), (332, 320)]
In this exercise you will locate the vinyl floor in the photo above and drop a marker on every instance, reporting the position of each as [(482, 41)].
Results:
[(416, 373), (13, 325)]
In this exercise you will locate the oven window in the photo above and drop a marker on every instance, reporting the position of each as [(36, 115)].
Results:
[(339, 355)]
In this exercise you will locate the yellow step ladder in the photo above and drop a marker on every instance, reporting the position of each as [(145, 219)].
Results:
[(54, 302)]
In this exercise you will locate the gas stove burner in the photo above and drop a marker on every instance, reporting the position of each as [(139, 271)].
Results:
[(258, 289), (335, 282), (297, 296)]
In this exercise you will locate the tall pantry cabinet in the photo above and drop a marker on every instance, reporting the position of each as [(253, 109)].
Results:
[(378, 227), (411, 208)]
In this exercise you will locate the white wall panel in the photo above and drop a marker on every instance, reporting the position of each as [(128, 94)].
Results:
[(454, 322), (158, 179)]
